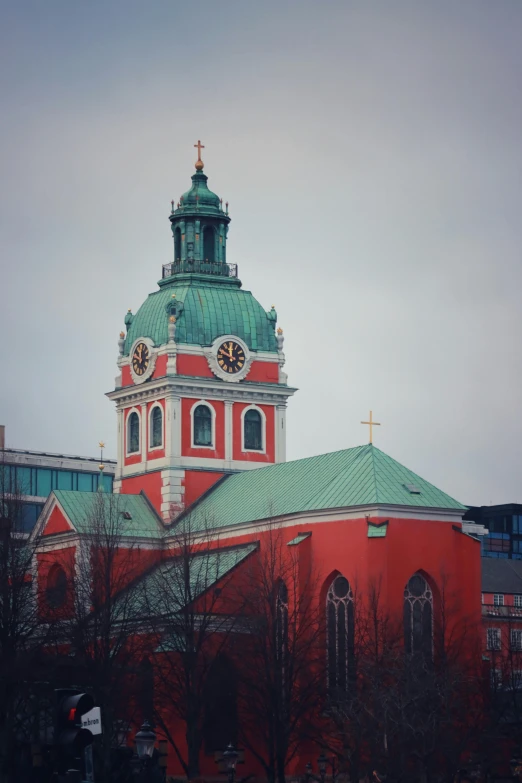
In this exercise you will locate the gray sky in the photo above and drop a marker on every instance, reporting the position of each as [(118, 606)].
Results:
[(371, 153)]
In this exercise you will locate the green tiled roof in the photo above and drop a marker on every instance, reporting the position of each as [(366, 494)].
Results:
[(209, 311), (206, 568), (355, 477), (82, 508)]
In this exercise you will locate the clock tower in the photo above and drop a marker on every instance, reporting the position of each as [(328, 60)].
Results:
[(201, 390)]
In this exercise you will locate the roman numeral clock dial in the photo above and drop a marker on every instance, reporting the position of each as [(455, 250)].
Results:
[(140, 358), (231, 357)]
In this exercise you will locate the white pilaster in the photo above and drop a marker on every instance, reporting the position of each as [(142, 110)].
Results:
[(172, 493), (175, 426), (144, 433), (119, 446), (229, 443), (280, 433)]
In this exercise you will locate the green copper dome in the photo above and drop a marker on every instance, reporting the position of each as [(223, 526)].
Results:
[(199, 196), (204, 311)]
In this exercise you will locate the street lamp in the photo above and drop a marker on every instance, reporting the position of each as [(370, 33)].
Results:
[(230, 756), (145, 740), (322, 762)]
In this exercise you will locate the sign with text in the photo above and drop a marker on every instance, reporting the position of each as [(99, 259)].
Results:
[(92, 721)]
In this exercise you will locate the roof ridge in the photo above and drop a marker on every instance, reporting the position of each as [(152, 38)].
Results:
[(372, 454)]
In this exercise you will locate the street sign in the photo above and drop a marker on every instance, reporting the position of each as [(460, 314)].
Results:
[(92, 721)]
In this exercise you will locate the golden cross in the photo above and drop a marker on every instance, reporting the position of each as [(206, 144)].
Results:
[(200, 147), (372, 423)]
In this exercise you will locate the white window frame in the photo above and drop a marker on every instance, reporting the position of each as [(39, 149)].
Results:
[(127, 434), (493, 639), (263, 429), (213, 424), (498, 599), (517, 601), (162, 445), (515, 639), (495, 678)]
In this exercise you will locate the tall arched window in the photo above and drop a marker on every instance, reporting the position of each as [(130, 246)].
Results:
[(156, 427), (145, 689), (340, 635), (418, 617), (133, 433), (209, 244), (177, 245), (202, 426), (56, 591), (253, 432), (281, 623), (220, 721)]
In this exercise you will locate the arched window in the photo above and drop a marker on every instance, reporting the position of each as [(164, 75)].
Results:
[(208, 243), (56, 591), (281, 623), (202, 426), (145, 689), (177, 245), (133, 433), (340, 635), (220, 723), (156, 427), (418, 617), (253, 430)]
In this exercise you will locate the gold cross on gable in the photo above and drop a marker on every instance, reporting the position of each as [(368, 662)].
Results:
[(372, 423), (200, 147)]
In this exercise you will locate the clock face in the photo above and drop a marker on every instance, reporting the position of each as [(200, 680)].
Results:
[(231, 357), (140, 358)]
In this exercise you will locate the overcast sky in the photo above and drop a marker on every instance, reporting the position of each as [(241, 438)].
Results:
[(371, 153)]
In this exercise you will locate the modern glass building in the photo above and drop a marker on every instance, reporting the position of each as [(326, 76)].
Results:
[(37, 473), (504, 523)]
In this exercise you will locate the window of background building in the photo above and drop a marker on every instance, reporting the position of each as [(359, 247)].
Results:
[(40, 482), (498, 599), (516, 639), (30, 513), (517, 601), (493, 638)]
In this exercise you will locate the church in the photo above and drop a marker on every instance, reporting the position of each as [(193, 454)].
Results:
[(201, 396)]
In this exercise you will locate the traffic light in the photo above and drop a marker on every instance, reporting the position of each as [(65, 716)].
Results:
[(70, 739)]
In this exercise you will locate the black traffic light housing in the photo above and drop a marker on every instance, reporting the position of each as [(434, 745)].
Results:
[(70, 739)]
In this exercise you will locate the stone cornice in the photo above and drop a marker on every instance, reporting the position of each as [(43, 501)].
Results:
[(188, 386)]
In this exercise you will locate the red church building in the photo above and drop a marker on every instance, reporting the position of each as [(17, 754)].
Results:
[(201, 399)]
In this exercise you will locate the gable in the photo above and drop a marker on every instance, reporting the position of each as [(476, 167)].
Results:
[(57, 522)]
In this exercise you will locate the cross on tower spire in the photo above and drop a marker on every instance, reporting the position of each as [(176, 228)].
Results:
[(372, 424), (199, 162)]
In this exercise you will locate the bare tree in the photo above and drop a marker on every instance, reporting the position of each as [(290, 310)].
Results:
[(281, 661), (186, 605), (23, 637), (100, 623), (410, 715)]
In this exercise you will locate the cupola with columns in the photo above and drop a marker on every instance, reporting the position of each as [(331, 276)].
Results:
[(201, 389)]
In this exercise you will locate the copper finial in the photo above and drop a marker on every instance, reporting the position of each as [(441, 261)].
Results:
[(279, 330), (122, 335)]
